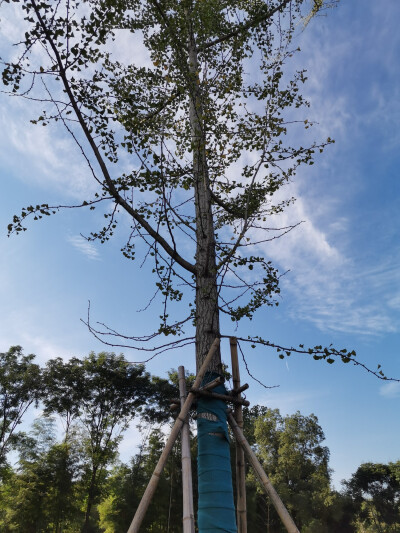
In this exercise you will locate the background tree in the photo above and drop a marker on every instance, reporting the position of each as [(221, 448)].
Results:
[(105, 392), (126, 485), (375, 489), (294, 458), (42, 494), (20, 387), (63, 383), (57, 484), (48, 489)]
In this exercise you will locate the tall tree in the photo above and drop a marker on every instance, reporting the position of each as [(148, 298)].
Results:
[(20, 387), (64, 389), (105, 392), (207, 143), (41, 494)]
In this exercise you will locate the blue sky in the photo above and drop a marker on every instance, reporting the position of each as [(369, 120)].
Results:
[(344, 281)]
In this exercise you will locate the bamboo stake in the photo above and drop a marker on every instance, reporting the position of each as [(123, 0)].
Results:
[(212, 384), (216, 396), (151, 487), (266, 484), (187, 486), (241, 507), (239, 389)]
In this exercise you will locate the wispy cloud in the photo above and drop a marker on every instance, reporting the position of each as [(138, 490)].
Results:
[(86, 248), (54, 159), (338, 279), (25, 334), (331, 283), (127, 46), (390, 390), (330, 286)]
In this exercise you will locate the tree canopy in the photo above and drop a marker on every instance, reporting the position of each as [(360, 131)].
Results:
[(375, 487), (193, 137), (20, 387)]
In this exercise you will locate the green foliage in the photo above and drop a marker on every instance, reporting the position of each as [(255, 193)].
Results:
[(105, 392), (53, 483), (58, 484), (20, 387), (192, 106), (291, 451), (127, 484), (375, 488), (42, 494)]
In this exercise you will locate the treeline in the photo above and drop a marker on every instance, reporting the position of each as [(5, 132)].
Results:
[(64, 476)]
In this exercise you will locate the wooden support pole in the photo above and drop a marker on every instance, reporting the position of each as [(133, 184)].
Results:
[(238, 390), (262, 476), (241, 507), (214, 383), (151, 487), (187, 484), (216, 396)]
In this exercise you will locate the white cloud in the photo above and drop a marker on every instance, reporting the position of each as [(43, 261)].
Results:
[(394, 301), (390, 390), (333, 281), (86, 248), (11, 25), (328, 284), (46, 156), (42, 155), (128, 48), (24, 335), (43, 348)]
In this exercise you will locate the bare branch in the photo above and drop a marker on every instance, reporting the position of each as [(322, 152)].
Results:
[(318, 353), (242, 27), (110, 184)]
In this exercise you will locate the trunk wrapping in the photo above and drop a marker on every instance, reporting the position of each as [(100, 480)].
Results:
[(216, 510)]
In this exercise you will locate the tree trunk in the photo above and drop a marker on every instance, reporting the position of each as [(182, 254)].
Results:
[(91, 492), (207, 313), (216, 509)]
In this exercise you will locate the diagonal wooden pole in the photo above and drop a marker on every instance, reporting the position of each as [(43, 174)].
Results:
[(187, 484), (151, 487), (241, 510), (265, 482)]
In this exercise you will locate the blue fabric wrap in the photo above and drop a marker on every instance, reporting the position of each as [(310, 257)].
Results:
[(216, 511)]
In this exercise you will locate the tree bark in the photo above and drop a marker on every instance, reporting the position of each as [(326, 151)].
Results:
[(207, 313)]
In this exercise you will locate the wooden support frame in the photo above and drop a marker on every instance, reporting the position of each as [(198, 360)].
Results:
[(187, 484), (152, 485), (241, 442), (241, 506)]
